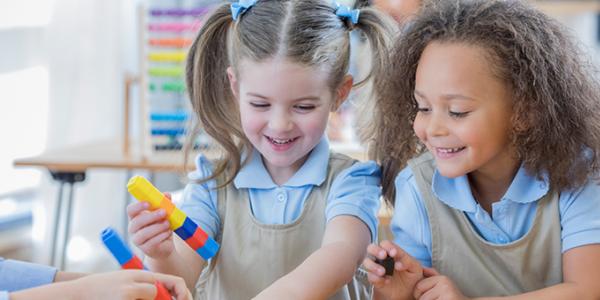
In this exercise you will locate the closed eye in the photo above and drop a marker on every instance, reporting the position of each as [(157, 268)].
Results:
[(455, 114), (259, 105), (304, 108)]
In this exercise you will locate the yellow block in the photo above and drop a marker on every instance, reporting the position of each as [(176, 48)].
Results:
[(176, 218), (144, 191)]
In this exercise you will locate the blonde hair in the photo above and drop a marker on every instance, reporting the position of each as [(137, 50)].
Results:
[(555, 96), (306, 32)]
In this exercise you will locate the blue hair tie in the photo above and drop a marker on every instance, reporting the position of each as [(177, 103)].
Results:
[(240, 7), (344, 12)]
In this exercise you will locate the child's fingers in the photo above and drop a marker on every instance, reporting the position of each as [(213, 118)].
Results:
[(430, 272), (376, 251), (403, 260), (144, 219), (423, 286), (373, 267), (142, 291), (375, 280), (145, 234), (136, 208), (155, 240), (168, 195), (176, 285)]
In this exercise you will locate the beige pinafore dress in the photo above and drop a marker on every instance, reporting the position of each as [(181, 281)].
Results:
[(254, 255), (480, 268)]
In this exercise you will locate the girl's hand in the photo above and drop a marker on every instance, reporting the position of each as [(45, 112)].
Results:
[(127, 284), (407, 272), (436, 286), (150, 230)]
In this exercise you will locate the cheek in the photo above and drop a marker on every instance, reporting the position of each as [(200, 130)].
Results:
[(419, 128)]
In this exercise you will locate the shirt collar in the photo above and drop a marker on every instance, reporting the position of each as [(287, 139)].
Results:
[(312, 172), (456, 192)]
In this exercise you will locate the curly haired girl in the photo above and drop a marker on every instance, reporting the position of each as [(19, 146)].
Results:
[(502, 114)]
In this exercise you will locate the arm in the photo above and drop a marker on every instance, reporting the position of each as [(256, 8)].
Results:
[(581, 274), (182, 262), (131, 284), (330, 267)]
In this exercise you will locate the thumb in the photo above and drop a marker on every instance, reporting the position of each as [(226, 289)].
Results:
[(168, 195), (430, 272)]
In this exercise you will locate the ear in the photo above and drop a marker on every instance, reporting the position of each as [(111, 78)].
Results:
[(233, 82), (342, 92)]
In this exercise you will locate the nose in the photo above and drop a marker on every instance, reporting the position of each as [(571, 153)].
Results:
[(436, 125), (280, 122)]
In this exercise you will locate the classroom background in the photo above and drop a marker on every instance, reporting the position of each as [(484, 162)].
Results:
[(91, 95)]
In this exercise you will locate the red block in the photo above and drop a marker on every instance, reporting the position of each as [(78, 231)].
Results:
[(198, 239), (133, 264), (161, 292)]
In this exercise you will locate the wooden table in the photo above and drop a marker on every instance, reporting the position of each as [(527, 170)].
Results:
[(69, 165)]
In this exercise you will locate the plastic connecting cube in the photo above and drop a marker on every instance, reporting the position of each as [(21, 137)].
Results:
[(183, 226), (127, 259)]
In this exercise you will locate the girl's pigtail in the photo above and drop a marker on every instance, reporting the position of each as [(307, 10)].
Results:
[(210, 94), (380, 30)]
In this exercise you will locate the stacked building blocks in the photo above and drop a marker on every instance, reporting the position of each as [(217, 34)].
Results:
[(128, 260), (180, 223)]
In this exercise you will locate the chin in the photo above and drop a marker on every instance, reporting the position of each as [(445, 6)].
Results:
[(450, 173)]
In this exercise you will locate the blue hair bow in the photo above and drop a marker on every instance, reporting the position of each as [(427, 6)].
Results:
[(344, 12), (241, 7)]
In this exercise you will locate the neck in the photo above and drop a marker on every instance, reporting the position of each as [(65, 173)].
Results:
[(281, 175), (488, 188)]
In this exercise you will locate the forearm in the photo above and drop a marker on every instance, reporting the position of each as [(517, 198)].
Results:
[(67, 276), (63, 291), (560, 291), (319, 276)]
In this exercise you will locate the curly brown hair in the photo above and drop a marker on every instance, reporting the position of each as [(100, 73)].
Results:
[(555, 92)]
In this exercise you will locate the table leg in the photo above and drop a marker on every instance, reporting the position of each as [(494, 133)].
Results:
[(69, 178), (56, 223)]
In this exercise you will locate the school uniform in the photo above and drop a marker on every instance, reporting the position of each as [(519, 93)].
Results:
[(516, 249), (19, 275), (266, 230)]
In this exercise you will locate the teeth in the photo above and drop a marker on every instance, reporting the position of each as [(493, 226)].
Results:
[(281, 142), (450, 150)]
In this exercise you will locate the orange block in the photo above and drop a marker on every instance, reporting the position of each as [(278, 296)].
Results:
[(167, 205)]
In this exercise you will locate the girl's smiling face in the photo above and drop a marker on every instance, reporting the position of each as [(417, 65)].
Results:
[(284, 108), (464, 111)]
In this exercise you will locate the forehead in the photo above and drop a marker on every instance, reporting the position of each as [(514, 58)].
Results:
[(456, 67), (281, 76)]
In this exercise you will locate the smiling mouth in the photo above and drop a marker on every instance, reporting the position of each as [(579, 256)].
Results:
[(450, 150), (280, 141)]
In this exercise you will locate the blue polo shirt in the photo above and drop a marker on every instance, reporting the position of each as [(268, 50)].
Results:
[(355, 191), (511, 218), (18, 275)]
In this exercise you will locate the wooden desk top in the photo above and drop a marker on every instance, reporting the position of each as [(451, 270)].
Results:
[(109, 154)]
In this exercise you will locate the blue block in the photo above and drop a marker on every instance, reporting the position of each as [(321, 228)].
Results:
[(209, 249), (187, 229), (116, 246)]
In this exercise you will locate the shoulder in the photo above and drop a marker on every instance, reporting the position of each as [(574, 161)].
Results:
[(579, 214), (352, 169), (203, 168)]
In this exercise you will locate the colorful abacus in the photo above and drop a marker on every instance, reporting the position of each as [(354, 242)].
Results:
[(183, 226), (128, 260)]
